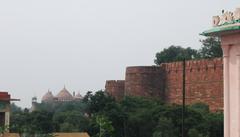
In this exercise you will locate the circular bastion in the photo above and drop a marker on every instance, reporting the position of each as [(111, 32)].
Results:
[(147, 81)]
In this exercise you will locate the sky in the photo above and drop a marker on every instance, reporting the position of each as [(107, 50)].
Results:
[(46, 44)]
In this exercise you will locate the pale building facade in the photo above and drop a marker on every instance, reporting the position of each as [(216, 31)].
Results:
[(227, 27), (63, 96)]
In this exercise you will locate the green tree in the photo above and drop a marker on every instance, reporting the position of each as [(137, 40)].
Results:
[(98, 101), (105, 127), (194, 133), (214, 124), (3, 129), (200, 107), (41, 122), (68, 127), (70, 121), (175, 53), (163, 128), (15, 108), (18, 122), (131, 117), (142, 116), (31, 123), (211, 48)]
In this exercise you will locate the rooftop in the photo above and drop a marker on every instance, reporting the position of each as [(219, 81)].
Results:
[(228, 22)]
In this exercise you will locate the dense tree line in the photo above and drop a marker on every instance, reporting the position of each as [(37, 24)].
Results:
[(211, 48), (101, 116)]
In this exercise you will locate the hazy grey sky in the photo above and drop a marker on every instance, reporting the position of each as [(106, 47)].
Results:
[(81, 43)]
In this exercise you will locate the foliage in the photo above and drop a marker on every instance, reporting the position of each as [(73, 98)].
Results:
[(194, 133), (36, 122), (15, 108), (105, 126), (200, 107), (211, 48), (162, 129), (70, 121), (3, 129), (214, 124), (100, 115), (175, 53)]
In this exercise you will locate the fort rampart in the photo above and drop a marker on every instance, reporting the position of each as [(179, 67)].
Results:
[(145, 81), (115, 88), (204, 82)]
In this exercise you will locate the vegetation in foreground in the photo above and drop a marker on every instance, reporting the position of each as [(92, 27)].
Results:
[(101, 116)]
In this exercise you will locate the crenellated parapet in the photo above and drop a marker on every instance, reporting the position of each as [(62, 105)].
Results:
[(193, 64), (204, 82), (115, 88)]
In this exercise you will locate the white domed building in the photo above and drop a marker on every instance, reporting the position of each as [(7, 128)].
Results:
[(48, 97), (63, 96)]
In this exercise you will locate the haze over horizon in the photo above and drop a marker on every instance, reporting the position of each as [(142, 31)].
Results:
[(81, 44)]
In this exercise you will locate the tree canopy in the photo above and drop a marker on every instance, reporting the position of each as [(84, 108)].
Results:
[(211, 48), (175, 53), (100, 115)]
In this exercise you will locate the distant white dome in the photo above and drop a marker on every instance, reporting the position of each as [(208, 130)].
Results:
[(48, 97), (64, 95)]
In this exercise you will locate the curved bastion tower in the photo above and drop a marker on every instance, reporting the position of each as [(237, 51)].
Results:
[(204, 83)]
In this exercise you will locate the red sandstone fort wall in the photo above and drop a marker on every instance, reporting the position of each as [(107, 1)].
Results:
[(204, 82), (115, 88), (145, 81)]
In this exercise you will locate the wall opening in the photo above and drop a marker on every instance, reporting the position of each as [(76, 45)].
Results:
[(2, 119)]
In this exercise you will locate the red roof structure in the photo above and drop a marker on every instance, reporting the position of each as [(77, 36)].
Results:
[(4, 96)]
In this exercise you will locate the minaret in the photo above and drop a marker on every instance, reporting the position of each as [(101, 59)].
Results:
[(34, 104)]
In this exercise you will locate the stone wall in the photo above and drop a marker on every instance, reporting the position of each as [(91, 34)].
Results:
[(145, 81), (115, 88), (204, 82)]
